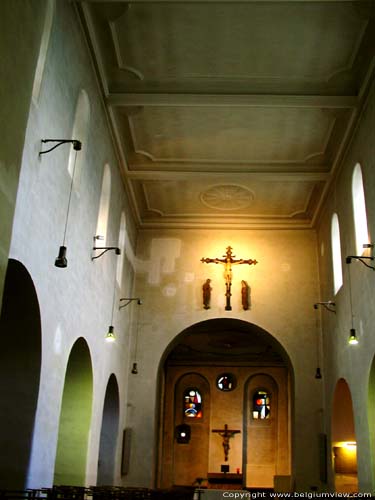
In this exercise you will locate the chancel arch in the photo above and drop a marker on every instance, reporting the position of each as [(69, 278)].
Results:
[(225, 361), (75, 417), (20, 363), (108, 434), (344, 442)]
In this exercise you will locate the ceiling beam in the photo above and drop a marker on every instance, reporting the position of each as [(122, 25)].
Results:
[(222, 100), (159, 175)]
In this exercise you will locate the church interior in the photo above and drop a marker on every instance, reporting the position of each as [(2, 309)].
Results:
[(187, 200)]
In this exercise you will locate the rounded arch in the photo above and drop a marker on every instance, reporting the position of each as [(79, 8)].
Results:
[(75, 417), (121, 245), (109, 433), (209, 348), (343, 439), (20, 364), (336, 253), (105, 198), (359, 210), (79, 132)]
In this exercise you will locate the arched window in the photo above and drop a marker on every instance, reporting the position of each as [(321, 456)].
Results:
[(336, 254), (105, 198), (261, 405), (47, 28), (192, 403), (79, 132), (359, 210), (121, 245)]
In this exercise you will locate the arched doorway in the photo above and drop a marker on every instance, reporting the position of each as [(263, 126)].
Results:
[(213, 366), (20, 361), (344, 444), (75, 417), (109, 434)]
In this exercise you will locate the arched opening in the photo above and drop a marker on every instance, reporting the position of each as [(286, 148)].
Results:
[(20, 361), (109, 434), (121, 245), (105, 198), (336, 254), (359, 210), (344, 444), (75, 417), (79, 132), (215, 363)]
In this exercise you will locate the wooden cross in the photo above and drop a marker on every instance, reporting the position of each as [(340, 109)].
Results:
[(228, 260), (226, 434)]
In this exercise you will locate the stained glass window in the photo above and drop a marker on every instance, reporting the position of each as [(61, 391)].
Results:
[(192, 403), (226, 382), (261, 405)]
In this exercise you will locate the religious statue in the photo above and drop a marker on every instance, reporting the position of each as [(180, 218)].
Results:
[(226, 434), (206, 294), (245, 289)]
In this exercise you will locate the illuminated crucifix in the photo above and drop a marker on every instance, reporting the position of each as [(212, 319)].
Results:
[(228, 261), (226, 434)]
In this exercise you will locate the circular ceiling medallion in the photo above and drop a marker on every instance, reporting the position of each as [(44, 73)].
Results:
[(227, 197)]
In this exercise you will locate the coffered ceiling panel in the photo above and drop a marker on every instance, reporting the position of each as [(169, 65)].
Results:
[(231, 113), (223, 134)]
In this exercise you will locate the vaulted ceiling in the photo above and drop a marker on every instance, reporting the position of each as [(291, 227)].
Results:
[(231, 113)]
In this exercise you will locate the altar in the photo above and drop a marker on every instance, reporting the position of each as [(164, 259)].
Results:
[(224, 481)]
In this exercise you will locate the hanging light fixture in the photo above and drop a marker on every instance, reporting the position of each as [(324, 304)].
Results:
[(110, 335), (61, 260), (352, 340), (134, 369)]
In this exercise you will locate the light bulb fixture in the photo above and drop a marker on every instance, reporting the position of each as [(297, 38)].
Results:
[(362, 258), (128, 300), (134, 369), (77, 145), (329, 305), (110, 337), (103, 249), (61, 261), (353, 340)]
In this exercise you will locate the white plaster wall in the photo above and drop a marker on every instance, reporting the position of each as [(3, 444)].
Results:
[(342, 360), (284, 287), (75, 301), (21, 24)]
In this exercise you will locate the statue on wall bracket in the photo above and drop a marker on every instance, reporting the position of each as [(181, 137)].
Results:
[(206, 288)]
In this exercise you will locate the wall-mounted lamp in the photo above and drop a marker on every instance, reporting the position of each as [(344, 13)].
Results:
[(103, 249), (362, 258), (329, 305), (128, 300), (61, 260), (77, 145)]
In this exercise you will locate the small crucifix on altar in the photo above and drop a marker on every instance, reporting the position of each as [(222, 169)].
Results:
[(228, 260), (226, 434)]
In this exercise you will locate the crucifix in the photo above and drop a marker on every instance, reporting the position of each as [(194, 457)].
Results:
[(228, 260), (226, 434)]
